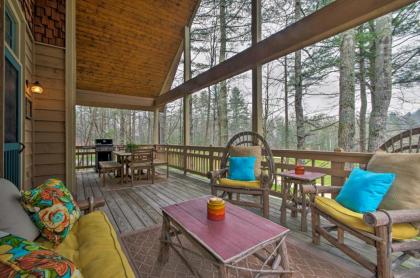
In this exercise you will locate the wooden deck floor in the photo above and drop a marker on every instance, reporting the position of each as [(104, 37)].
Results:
[(135, 208)]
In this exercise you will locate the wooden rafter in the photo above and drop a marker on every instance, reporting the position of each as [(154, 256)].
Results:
[(328, 21), (109, 100)]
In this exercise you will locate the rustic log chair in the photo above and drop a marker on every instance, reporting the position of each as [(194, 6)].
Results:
[(407, 141), (264, 181), (381, 221)]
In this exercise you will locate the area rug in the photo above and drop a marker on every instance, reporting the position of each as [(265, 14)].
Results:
[(143, 248)]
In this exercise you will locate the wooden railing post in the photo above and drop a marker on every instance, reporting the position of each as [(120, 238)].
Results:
[(338, 175), (184, 153), (211, 159)]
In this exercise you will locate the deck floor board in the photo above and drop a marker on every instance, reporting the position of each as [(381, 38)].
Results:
[(138, 207)]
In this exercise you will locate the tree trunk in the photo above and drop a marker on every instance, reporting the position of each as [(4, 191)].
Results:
[(122, 127), (215, 106), (300, 127), (346, 125), (163, 126), (208, 111), (222, 98), (381, 96), (130, 128), (266, 102), (150, 128), (133, 127), (363, 101), (286, 104), (190, 103), (115, 127)]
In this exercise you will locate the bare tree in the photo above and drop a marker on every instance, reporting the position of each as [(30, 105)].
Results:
[(346, 125), (381, 95), (286, 103), (363, 94), (222, 96), (300, 121)]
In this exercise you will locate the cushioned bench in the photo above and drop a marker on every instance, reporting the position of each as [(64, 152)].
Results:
[(92, 244)]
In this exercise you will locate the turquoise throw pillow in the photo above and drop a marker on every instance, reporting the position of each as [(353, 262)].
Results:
[(364, 190), (242, 168)]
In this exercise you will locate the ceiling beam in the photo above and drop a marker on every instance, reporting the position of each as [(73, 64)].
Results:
[(109, 100), (324, 23)]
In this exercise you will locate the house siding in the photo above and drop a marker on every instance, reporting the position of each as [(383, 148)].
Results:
[(49, 114), (28, 122)]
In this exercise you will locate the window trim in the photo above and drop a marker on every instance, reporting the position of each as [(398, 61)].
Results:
[(14, 32)]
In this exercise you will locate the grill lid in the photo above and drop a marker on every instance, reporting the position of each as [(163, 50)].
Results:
[(99, 142)]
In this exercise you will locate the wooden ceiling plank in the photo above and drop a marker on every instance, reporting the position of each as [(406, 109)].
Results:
[(175, 62), (127, 47), (324, 23)]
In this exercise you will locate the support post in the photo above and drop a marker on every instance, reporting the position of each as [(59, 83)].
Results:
[(187, 76), (156, 140), (70, 89), (187, 99), (1, 88), (337, 169), (257, 109)]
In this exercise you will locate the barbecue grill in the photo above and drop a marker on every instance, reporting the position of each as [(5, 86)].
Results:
[(103, 150)]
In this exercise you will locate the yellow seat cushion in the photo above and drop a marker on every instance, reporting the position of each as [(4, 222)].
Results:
[(355, 220), (236, 183), (93, 246)]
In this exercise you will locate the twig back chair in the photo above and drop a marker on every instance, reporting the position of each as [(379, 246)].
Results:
[(381, 229), (407, 141), (265, 180)]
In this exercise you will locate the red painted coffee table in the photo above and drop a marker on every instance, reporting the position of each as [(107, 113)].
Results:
[(224, 243)]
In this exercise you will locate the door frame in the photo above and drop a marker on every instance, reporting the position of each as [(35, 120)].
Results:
[(9, 57), (14, 8)]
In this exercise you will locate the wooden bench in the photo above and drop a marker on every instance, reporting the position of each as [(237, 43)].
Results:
[(106, 167)]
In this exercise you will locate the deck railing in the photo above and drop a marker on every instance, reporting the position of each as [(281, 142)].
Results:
[(336, 165), (199, 160), (85, 157)]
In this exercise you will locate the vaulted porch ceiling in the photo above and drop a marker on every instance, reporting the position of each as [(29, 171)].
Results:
[(128, 48)]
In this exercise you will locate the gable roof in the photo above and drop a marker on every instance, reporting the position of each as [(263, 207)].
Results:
[(128, 47)]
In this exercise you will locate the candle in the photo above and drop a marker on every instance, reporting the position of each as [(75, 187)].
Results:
[(299, 170), (215, 209)]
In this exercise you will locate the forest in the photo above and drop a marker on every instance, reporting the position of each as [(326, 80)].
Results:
[(353, 90)]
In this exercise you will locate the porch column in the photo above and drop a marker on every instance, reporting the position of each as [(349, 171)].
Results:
[(70, 94), (156, 140), (187, 76), (1, 90), (257, 109)]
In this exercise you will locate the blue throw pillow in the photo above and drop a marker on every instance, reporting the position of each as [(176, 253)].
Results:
[(364, 190), (242, 168)]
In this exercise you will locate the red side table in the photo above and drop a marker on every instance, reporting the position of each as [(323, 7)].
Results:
[(293, 197)]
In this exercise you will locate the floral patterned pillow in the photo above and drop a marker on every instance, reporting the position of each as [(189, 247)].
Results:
[(52, 209), (22, 258)]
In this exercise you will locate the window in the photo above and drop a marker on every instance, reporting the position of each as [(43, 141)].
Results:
[(10, 30)]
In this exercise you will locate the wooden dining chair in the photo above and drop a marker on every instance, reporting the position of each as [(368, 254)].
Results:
[(141, 159)]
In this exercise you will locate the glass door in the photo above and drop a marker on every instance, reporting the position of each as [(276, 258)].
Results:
[(12, 121)]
